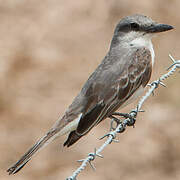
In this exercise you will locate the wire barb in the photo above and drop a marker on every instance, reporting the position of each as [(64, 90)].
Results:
[(162, 84), (122, 124), (92, 166)]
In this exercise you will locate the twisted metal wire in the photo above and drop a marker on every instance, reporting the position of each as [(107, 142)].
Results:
[(111, 136)]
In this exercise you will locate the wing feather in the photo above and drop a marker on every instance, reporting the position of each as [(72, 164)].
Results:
[(120, 87)]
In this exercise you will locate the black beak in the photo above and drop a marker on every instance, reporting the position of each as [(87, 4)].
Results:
[(158, 28)]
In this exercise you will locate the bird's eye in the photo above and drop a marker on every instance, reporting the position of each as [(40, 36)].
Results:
[(134, 26)]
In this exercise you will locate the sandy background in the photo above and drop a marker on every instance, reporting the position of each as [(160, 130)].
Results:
[(48, 49)]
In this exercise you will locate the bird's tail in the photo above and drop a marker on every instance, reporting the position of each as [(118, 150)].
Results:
[(28, 155)]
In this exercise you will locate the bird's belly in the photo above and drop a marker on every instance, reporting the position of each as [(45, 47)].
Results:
[(136, 94)]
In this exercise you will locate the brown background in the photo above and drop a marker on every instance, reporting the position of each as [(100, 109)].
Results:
[(48, 49)]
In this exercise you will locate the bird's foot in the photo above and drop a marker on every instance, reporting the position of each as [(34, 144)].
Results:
[(115, 122), (131, 116)]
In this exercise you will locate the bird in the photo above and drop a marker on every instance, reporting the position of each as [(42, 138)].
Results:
[(119, 79)]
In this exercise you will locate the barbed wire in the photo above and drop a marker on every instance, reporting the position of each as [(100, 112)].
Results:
[(129, 120)]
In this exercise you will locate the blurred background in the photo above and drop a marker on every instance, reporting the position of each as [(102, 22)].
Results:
[(47, 51)]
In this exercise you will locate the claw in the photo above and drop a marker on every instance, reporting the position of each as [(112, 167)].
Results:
[(131, 122), (133, 113)]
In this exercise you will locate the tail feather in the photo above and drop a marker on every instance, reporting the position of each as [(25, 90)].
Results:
[(28, 155)]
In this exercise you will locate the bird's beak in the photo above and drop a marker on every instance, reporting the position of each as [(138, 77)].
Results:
[(159, 28)]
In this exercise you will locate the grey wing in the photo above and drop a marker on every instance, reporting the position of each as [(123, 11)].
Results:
[(103, 98), (135, 74)]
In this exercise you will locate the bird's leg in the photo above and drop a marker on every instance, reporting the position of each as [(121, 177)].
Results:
[(124, 115), (127, 116), (116, 120)]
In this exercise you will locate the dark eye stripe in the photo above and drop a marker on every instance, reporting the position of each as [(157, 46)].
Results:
[(134, 26)]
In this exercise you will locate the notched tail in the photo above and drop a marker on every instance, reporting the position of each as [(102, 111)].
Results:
[(28, 155), (14, 169)]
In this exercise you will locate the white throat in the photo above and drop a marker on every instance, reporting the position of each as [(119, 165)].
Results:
[(144, 41)]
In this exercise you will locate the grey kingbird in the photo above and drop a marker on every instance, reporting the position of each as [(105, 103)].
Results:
[(117, 81)]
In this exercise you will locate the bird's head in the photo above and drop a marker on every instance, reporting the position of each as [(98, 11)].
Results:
[(136, 26)]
